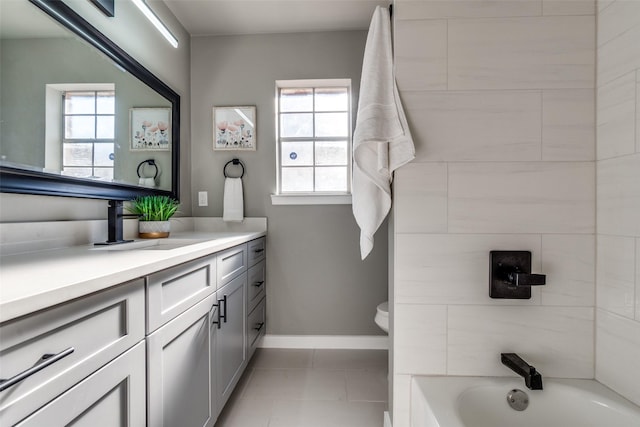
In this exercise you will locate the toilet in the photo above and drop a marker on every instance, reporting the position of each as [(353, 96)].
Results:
[(382, 316)]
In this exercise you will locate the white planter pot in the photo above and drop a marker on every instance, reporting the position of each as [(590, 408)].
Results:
[(153, 229)]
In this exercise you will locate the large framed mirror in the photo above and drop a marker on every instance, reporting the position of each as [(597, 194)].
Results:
[(80, 117)]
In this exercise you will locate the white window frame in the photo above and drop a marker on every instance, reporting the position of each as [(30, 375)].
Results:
[(93, 141), (315, 197)]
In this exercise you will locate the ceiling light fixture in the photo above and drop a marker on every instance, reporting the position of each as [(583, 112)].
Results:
[(144, 8)]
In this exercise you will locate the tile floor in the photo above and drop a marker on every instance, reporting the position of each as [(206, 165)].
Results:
[(310, 388)]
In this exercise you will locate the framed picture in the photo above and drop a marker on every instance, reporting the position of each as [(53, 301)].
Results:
[(234, 128), (150, 129)]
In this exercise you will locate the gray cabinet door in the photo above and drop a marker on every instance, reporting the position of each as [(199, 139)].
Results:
[(180, 377), (113, 396), (231, 351)]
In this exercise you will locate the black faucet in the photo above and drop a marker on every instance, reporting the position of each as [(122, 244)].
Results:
[(532, 378)]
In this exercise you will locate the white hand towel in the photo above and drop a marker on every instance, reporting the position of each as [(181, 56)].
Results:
[(233, 204), (381, 141)]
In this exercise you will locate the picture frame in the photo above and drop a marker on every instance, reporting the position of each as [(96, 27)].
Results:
[(234, 128), (150, 129)]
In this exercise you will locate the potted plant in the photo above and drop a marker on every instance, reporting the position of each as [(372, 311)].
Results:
[(154, 213)]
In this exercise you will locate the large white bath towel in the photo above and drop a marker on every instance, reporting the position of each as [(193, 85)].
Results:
[(381, 140), (233, 203)]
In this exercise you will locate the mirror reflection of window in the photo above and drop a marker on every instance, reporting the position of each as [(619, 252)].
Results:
[(89, 130)]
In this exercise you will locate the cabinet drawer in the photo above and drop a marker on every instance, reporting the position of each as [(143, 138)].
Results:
[(172, 291), (257, 325), (231, 263), (256, 281), (257, 251), (98, 328), (112, 396)]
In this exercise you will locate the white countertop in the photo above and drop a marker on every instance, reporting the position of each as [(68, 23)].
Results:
[(36, 280)]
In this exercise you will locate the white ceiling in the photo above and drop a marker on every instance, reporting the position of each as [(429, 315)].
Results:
[(224, 17)]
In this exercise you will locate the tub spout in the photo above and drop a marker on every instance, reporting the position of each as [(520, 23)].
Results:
[(532, 378)]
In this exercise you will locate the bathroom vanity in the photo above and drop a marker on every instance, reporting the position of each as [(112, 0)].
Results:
[(155, 334)]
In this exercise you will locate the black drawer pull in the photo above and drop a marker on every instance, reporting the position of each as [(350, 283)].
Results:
[(257, 251), (45, 360), (259, 326), (258, 284)]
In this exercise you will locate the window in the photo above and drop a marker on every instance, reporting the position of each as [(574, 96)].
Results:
[(314, 137), (88, 134)]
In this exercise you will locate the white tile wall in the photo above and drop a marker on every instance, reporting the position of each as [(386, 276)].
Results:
[(558, 341), (522, 53), (421, 66), (619, 196), (568, 117), (420, 339), (568, 7), (420, 195), (540, 197), (430, 9), (617, 117), (618, 342), (499, 125), (454, 268), (567, 261), (616, 274), (505, 160)]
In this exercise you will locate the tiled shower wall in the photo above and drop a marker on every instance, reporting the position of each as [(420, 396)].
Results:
[(618, 197), (500, 96)]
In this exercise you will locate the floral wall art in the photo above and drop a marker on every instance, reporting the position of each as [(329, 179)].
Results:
[(234, 128), (150, 129)]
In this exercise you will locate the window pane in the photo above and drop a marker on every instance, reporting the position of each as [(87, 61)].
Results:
[(292, 125), (79, 172), (79, 127), (77, 154), (104, 154), (296, 99), (105, 174), (106, 103), (297, 153), (332, 124), (297, 179), (331, 179), (106, 127), (79, 103), (332, 99), (331, 152)]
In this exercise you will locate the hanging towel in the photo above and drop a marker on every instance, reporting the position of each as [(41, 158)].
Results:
[(381, 140), (233, 204)]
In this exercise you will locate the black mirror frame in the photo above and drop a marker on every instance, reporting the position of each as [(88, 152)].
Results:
[(24, 181)]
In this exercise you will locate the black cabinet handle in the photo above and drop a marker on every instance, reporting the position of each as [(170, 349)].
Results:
[(257, 251), (223, 316), (46, 360), (259, 326), (216, 321), (258, 284)]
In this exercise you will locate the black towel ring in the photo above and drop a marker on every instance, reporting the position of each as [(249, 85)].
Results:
[(234, 162), (149, 162)]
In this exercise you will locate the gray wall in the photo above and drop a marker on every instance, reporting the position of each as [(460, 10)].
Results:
[(317, 283), (130, 30)]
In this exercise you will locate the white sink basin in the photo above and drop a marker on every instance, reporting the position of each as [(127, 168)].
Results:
[(150, 245)]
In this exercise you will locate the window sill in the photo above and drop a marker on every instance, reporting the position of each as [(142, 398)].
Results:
[(311, 199)]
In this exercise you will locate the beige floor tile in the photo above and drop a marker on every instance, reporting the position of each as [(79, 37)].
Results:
[(245, 413), (280, 358), (286, 413), (350, 359), (367, 385), (297, 384)]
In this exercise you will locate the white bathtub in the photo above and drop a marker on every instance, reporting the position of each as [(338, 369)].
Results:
[(482, 402)]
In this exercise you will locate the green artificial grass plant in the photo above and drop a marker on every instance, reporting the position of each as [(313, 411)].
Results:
[(154, 208)]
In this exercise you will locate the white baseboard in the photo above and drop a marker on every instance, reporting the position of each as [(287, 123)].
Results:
[(356, 342), (387, 419)]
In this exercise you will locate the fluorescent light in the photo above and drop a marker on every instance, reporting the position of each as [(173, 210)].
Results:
[(144, 8)]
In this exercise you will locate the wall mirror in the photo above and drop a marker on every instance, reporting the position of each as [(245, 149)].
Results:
[(78, 116)]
